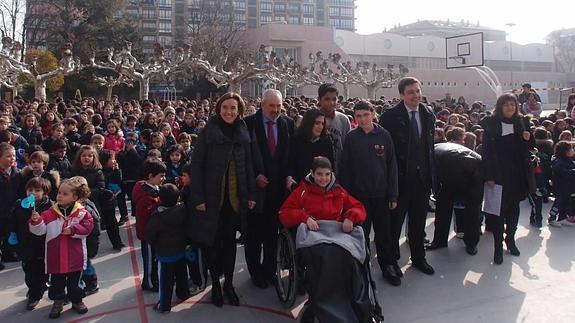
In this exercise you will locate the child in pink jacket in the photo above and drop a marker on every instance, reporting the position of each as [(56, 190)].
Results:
[(66, 226)]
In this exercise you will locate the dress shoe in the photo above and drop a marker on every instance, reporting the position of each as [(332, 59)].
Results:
[(498, 255), (231, 295), (434, 246), (472, 250), (397, 269), (217, 297), (511, 247), (424, 267), (259, 282), (391, 276)]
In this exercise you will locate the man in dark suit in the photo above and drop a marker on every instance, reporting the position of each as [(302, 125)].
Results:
[(271, 133), (411, 125)]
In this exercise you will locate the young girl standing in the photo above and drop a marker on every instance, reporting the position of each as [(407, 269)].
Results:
[(30, 130), (66, 226), (113, 140), (175, 160), (113, 178)]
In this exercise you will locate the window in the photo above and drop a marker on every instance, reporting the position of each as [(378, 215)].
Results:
[(239, 17), (148, 13), (149, 25), (165, 40), (333, 11), (149, 39), (165, 3), (308, 9), (293, 7), (265, 19), (308, 21), (346, 12), (194, 3), (165, 26), (118, 15), (280, 7), (266, 7), (293, 21), (132, 12), (165, 14), (240, 5), (279, 18)]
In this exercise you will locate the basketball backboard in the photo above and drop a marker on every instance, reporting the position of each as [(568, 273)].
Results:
[(464, 51)]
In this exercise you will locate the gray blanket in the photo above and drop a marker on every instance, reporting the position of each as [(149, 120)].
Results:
[(330, 232)]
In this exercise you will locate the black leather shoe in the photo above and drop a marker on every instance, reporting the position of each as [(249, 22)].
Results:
[(397, 269), (259, 282), (231, 295), (512, 247), (434, 246), (217, 297), (498, 256), (472, 250), (391, 276), (424, 267)]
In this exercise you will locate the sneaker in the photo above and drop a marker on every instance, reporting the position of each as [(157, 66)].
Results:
[(31, 304), (555, 224), (565, 223), (80, 308), (57, 309), (159, 309), (460, 235)]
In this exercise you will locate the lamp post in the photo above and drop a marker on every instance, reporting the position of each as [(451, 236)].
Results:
[(511, 25)]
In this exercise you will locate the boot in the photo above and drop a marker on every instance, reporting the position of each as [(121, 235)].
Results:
[(56, 310), (498, 252), (511, 247), (217, 297)]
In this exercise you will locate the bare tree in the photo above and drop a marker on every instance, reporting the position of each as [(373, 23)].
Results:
[(564, 47)]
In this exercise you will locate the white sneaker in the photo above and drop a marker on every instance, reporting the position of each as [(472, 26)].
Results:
[(460, 235), (553, 223), (565, 223)]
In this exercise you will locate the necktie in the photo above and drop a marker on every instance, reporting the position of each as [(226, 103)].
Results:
[(271, 138), (414, 126)]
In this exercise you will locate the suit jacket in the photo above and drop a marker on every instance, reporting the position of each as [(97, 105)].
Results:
[(275, 169), (396, 121)]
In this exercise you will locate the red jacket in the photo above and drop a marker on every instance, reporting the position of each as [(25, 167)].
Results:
[(64, 253), (308, 199), (146, 199), (114, 142)]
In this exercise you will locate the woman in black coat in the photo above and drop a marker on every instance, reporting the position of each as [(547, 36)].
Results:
[(223, 189), (311, 140), (506, 159)]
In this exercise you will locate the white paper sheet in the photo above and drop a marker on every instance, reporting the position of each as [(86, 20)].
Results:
[(492, 199)]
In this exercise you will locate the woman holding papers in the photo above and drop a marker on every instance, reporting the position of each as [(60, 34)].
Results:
[(506, 169)]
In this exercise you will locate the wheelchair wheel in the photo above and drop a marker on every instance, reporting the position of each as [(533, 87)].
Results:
[(286, 269)]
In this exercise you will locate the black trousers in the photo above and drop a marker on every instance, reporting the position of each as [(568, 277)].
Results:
[(504, 223), (172, 273), (198, 269), (70, 282), (413, 201), (129, 186), (150, 264), (222, 255), (35, 277), (262, 235), (378, 216), (111, 223), (469, 223)]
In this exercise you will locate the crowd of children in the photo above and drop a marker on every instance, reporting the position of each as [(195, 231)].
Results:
[(90, 157)]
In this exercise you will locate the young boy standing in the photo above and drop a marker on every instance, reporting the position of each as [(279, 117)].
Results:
[(369, 171), (30, 246), (146, 197), (166, 235)]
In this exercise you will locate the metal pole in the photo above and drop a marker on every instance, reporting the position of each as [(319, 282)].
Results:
[(511, 25)]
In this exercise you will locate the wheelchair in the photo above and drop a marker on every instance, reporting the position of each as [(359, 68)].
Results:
[(290, 274), (286, 269)]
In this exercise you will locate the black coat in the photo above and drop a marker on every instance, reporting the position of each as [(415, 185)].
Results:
[(62, 166), (97, 183), (456, 163), (8, 193), (165, 231), (563, 176), (396, 121), (33, 136), (52, 176), (368, 168), (302, 151), (506, 159), (276, 168), (30, 246), (130, 163), (212, 155)]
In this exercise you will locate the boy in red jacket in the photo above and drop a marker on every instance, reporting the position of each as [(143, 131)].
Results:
[(145, 196), (318, 197)]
